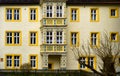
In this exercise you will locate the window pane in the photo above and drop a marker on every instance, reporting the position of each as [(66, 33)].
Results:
[(49, 11), (113, 12), (16, 14), (74, 38), (113, 36), (59, 37), (33, 38), (9, 37), (49, 37), (82, 61), (9, 61), (93, 14), (16, 61), (32, 14), (94, 39), (16, 38), (33, 61), (59, 11), (74, 14), (9, 14), (91, 61)]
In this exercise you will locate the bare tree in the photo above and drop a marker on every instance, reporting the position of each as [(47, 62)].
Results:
[(107, 52)]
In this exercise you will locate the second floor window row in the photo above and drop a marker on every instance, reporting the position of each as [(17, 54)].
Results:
[(14, 14)]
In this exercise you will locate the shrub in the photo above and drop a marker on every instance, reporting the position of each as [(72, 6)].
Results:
[(26, 67)]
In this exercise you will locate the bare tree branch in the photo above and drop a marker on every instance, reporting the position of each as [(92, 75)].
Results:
[(107, 52)]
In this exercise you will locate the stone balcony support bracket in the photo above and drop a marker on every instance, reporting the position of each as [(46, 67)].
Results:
[(45, 61), (63, 61)]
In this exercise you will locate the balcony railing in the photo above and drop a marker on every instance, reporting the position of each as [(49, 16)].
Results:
[(53, 22), (53, 48)]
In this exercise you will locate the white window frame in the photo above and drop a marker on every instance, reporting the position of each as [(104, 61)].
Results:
[(49, 36), (33, 61), (9, 37), (83, 60), (14, 38), (16, 61), (49, 11), (9, 61), (16, 14), (32, 14), (74, 14), (91, 61), (9, 14), (17, 37), (94, 14), (33, 39), (13, 14), (59, 37), (59, 11), (74, 37), (94, 39)]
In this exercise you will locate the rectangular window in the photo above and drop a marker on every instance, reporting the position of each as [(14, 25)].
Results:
[(16, 14), (49, 37), (13, 14), (33, 38), (74, 39), (74, 14), (49, 11), (16, 61), (9, 61), (113, 12), (83, 61), (9, 14), (16, 37), (59, 37), (94, 14), (114, 36), (9, 37), (33, 61), (13, 38), (59, 11), (33, 14), (13, 61), (88, 61), (91, 61), (94, 39)]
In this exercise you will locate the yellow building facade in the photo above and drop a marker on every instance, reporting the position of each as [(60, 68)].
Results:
[(43, 32)]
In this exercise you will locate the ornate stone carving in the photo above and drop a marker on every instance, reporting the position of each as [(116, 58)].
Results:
[(45, 61), (63, 61)]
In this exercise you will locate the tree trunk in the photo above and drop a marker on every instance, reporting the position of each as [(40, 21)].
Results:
[(108, 67)]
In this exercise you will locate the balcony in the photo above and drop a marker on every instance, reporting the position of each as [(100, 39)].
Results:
[(53, 22), (53, 49)]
